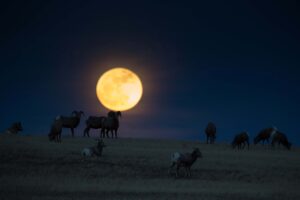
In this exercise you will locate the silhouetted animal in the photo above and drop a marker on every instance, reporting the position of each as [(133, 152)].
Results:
[(264, 135), (95, 150), (72, 121), (94, 123), (184, 160), (55, 130), (111, 123), (240, 139), (280, 138), (14, 128), (210, 131)]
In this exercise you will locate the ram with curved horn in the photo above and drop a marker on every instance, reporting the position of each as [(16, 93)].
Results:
[(111, 124)]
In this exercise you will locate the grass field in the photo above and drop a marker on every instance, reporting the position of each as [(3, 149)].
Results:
[(33, 168)]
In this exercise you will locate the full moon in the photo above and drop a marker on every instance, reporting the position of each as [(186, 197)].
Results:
[(119, 89)]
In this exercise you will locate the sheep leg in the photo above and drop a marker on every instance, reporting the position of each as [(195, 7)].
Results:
[(116, 133), (72, 131), (86, 132), (186, 172), (177, 169), (102, 133), (189, 169), (171, 167), (107, 133), (112, 133)]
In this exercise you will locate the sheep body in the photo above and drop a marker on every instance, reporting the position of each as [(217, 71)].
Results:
[(281, 138), (265, 135), (240, 139), (14, 128), (71, 121), (94, 123)]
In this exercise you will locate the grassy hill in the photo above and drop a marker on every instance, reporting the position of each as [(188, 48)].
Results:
[(33, 168)]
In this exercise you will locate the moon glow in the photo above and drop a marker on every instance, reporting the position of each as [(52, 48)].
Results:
[(119, 89)]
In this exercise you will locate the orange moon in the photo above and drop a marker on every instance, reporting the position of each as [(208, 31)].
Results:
[(119, 89)]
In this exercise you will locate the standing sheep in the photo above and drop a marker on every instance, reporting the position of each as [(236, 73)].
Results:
[(55, 130), (280, 138), (264, 135), (93, 122), (95, 150), (14, 128), (210, 132), (72, 121), (184, 160), (111, 123), (240, 139)]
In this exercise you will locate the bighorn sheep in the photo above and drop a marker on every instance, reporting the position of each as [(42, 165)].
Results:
[(93, 122), (111, 123), (210, 133), (184, 160), (95, 150), (264, 135), (55, 130), (240, 139), (72, 121), (14, 128), (280, 138)]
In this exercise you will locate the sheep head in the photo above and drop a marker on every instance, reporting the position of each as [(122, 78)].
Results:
[(77, 113), (197, 153), (114, 114), (19, 126)]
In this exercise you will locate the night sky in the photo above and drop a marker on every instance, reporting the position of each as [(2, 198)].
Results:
[(235, 63)]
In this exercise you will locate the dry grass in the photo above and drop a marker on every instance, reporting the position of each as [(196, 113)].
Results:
[(33, 168)]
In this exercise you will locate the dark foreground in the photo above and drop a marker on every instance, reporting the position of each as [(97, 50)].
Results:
[(33, 168)]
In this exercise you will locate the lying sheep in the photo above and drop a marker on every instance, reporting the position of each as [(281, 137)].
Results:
[(94, 151), (55, 130), (240, 139), (72, 121), (14, 128), (184, 160)]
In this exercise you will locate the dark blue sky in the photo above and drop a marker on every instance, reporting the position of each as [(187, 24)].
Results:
[(235, 63)]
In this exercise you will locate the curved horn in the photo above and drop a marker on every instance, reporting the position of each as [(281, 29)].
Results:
[(119, 113)]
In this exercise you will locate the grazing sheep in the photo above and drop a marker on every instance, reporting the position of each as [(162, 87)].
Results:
[(14, 128), (55, 130), (184, 160), (72, 121), (210, 133), (95, 150), (93, 122), (240, 139), (264, 135), (280, 138), (111, 123)]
